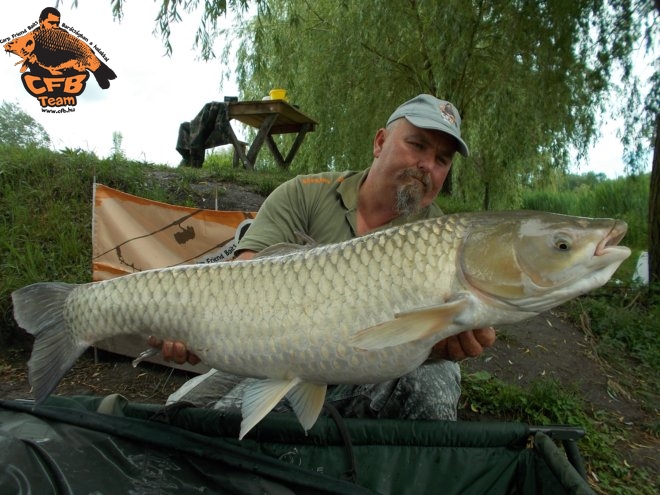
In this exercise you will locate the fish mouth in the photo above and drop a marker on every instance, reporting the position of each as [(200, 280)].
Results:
[(610, 243)]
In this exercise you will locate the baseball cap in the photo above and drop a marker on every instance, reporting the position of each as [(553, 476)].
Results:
[(428, 112)]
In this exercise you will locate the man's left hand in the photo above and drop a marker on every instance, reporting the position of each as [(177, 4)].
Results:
[(174, 350)]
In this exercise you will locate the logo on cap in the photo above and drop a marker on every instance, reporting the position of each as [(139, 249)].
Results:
[(447, 111)]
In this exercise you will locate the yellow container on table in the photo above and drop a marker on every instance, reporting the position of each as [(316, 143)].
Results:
[(277, 94)]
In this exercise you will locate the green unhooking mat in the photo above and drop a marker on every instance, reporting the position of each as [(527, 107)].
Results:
[(66, 447)]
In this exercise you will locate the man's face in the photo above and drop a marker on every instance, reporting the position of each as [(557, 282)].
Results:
[(414, 162), (52, 21)]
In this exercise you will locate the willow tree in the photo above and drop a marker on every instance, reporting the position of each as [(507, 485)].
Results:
[(529, 78)]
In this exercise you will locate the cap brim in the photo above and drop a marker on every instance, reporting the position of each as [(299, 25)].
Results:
[(425, 123)]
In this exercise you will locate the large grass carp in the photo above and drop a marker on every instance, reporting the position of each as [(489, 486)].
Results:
[(362, 311)]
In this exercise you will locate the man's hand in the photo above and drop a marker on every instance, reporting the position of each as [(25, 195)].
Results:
[(467, 344), (174, 350)]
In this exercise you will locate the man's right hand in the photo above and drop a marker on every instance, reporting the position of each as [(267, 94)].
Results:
[(174, 350)]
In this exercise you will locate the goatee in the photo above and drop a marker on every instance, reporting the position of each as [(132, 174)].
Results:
[(409, 194)]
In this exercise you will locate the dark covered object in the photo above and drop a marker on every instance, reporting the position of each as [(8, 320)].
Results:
[(209, 128), (65, 446)]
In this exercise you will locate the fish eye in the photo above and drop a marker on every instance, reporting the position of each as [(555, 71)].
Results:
[(562, 242)]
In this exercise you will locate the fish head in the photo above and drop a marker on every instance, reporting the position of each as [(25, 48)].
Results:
[(536, 260), (23, 46)]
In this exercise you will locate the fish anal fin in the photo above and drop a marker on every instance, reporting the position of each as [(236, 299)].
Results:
[(410, 326), (260, 398), (307, 399)]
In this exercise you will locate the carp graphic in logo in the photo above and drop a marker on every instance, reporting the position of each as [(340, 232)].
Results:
[(58, 62)]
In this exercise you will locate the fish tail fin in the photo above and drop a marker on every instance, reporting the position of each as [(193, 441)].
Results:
[(39, 309), (104, 75)]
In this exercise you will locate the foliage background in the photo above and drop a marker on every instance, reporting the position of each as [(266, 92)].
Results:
[(531, 79)]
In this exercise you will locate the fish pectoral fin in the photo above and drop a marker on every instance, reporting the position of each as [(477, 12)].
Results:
[(307, 399), (409, 326), (260, 398)]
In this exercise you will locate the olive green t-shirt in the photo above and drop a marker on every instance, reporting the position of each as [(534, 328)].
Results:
[(322, 206)]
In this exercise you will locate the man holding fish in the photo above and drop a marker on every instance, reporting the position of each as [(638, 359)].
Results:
[(412, 158), (371, 319)]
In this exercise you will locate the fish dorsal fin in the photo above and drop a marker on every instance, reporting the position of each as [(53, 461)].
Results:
[(409, 326), (280, 249), (306, 399), (306, 240), (260, 398), (284, 248)]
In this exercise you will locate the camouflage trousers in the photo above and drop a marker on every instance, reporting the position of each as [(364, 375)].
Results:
[(429, 392)]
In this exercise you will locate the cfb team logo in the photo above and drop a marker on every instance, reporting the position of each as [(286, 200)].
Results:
[(55, 64)]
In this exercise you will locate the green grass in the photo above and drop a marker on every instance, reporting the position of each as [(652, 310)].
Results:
[(262, 181), (621, 321), (545, 403), (623, 324)]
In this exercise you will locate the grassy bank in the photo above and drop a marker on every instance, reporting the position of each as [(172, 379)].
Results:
[(46, 214)]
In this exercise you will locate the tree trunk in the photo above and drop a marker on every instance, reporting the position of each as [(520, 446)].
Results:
[(448, 187), (486, 203), (654, 210)]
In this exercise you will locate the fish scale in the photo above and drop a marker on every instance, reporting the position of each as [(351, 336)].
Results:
[(362, 311), (62, 46), (279, 318)]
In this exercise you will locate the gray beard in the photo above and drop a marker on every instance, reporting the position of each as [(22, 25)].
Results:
[(409, 196), (408, 200)]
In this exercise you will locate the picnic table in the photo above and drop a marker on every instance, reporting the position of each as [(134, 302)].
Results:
[(212, 127)]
